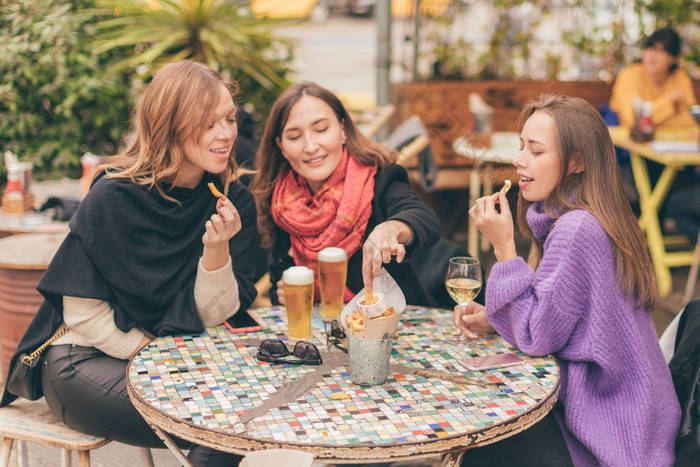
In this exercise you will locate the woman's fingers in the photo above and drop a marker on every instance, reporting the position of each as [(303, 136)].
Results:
[(280, 292), (503, 202), (400, 252)]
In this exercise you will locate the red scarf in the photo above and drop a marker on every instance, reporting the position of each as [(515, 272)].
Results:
[(336, 215)]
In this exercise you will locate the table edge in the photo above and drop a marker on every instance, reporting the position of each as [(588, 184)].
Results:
[(223, 441)]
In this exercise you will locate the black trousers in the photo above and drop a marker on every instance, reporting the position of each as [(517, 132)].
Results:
[(541, 445), (86, 389)]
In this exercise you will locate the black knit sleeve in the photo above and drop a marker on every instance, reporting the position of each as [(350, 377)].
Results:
[(398, 201)]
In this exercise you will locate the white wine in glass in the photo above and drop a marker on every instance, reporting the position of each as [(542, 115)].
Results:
[(463, 279)]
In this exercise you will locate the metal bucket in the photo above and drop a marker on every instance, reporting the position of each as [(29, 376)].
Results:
[(369, 360)]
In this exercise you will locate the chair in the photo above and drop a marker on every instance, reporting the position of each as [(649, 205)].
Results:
[(370, 121), (685, 371), (411, 140), (28, 421)]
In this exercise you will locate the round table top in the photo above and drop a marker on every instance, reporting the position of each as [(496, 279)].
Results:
[(30, 250), (210, 389), (29, 222)]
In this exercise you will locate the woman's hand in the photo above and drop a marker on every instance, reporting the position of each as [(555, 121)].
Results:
[(387, 239), (145, 340), (470, 320), (280, 292), (497, 227), (219, 229)]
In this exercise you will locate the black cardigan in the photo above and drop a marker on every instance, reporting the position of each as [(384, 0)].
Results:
[(393, 200), (138, 251)]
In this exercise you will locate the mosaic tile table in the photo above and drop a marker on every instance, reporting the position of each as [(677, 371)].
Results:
[(211, 390)]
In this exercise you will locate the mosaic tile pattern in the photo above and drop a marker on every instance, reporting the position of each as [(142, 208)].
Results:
[(213, 380)]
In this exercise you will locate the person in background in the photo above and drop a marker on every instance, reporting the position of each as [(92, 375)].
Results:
[(659, 80), (585, 297), (321, 183), (150, 253)]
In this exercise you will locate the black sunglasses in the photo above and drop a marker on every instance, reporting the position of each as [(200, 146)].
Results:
[(276, 351), (334, 335)]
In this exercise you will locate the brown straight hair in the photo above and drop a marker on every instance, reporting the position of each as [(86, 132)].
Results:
[(271, 164), (176, 106), (583, 139)]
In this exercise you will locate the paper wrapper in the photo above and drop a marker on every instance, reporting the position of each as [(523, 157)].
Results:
[(373, 310), (383, 285)]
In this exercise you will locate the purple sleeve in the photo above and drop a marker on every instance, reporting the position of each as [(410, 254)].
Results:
[(537, 311)]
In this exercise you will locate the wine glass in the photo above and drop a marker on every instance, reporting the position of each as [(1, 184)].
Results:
[(463, 280)]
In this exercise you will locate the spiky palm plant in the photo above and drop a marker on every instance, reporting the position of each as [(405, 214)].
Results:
[(219, 33)]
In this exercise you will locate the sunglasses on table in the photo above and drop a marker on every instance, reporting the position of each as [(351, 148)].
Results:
[(276, 351), (334, 335)]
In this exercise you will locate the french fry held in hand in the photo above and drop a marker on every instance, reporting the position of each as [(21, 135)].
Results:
[(506, 186), (370, 299), (214, 190)]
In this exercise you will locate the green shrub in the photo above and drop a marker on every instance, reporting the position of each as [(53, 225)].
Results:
[(56, 102)]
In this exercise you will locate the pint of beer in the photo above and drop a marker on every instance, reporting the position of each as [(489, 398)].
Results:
[(332, 271), (299, 297)]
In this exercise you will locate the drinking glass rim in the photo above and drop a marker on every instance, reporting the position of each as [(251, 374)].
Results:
[(463, 260)]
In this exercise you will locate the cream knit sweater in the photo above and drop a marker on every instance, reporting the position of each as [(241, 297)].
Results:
[(91, 321)]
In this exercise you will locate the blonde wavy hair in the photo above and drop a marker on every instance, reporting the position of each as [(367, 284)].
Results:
[(176, 106)]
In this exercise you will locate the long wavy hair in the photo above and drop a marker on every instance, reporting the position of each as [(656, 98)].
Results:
[(176, 107), (271, 164), (583, 139)]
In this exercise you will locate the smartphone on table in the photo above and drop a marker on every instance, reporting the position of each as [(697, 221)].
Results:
[(487, 362), (242, 322)]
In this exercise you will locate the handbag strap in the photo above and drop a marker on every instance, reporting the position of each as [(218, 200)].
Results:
[(29, 359)]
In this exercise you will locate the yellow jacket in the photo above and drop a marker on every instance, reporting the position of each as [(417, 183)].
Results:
[(632, 81)]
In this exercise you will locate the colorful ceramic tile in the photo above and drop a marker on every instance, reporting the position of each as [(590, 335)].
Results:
[(214, 381)]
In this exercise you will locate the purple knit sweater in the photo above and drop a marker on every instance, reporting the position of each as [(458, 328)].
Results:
[(617, 405)]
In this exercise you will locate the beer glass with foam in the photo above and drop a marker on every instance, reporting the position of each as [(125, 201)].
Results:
[(332, 271), (299, 298)]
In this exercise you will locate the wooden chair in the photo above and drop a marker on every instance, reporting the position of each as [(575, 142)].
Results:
[(409, 152), (373, 120), (27, 421)]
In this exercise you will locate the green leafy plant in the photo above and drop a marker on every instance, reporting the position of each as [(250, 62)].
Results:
[(220, 33), (602, 47), (55, 100)]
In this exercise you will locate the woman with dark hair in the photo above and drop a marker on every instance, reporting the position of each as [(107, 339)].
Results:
[(659, 80), (584, 296), (150, 253), (321, 183)]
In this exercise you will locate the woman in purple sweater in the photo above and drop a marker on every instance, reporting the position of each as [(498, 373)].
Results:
[(583, 296)]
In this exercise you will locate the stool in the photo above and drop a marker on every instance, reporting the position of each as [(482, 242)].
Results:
[(25, 420), (33, 421)]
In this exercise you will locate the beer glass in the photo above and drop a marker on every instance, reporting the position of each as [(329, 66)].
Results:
[(299, 296), (332, 271)]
